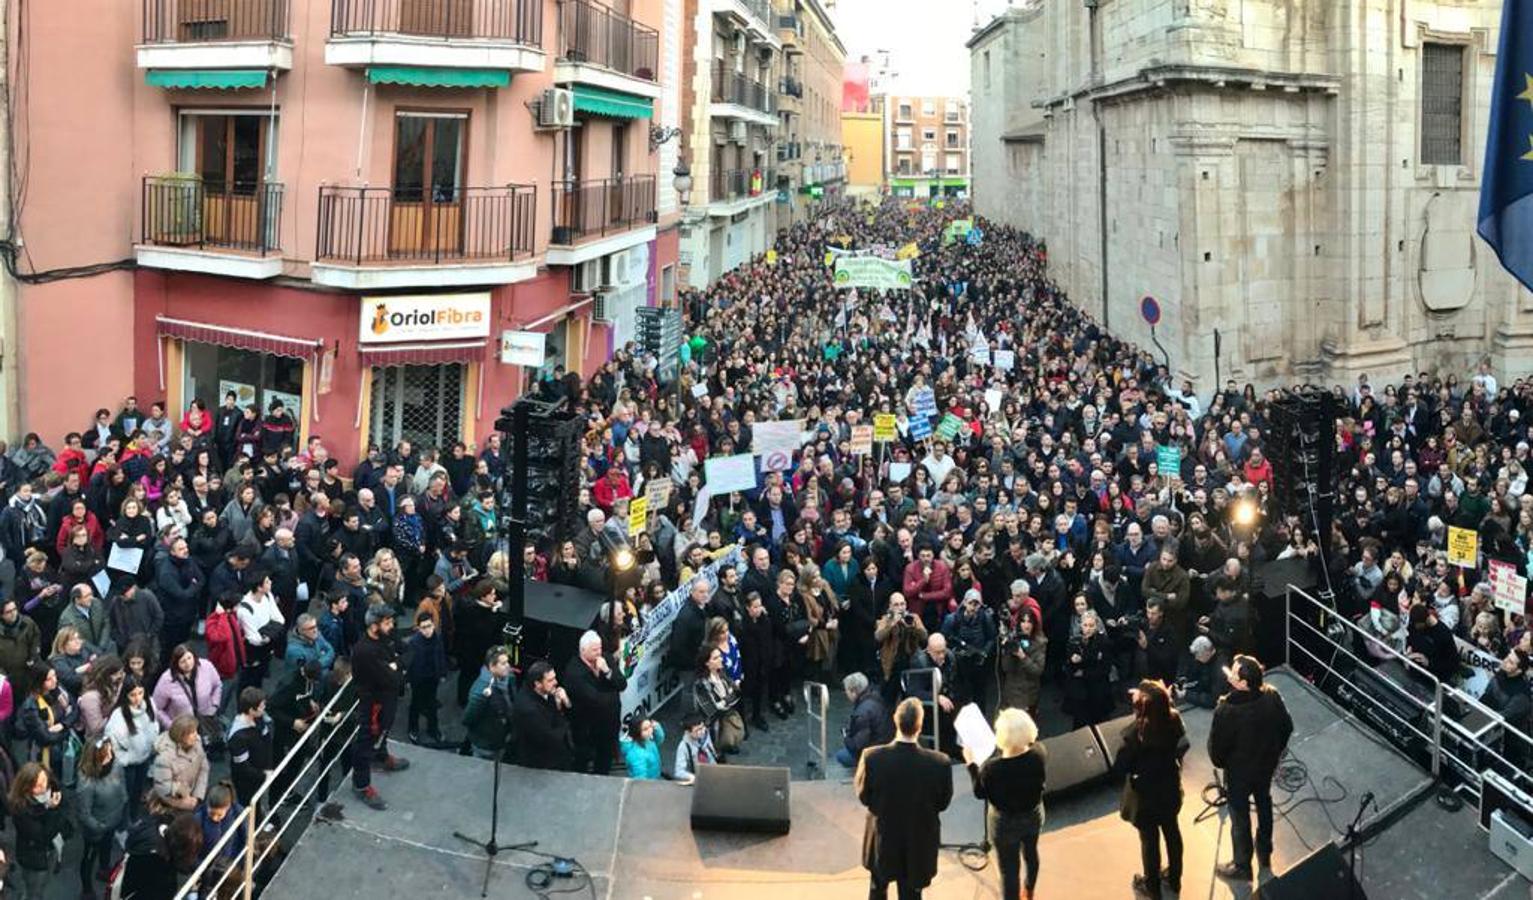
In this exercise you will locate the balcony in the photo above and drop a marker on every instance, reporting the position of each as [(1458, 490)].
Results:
[(600, 48), (216, 34), (190, 225), (598, 216), (493, 37), (733, 191), (738, 97), (788, 151), (754, 16), (371, 238), (789, 32)]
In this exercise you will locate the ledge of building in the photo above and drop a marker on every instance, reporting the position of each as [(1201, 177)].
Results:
[(1153, 78)]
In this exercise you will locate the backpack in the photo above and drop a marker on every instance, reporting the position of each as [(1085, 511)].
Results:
[(225, 640)]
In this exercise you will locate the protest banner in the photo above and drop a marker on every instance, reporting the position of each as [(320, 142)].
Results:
[(884, 427), (948, 428), (638, 515), (926, 402), (1005, 359), (920, 427), (658, 490), (872, 272), (1169, 460), (862, 439)]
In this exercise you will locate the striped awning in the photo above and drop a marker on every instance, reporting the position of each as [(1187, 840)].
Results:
[(423, 354), (239, 338), (214, 79), (616, 104), (426, 76)]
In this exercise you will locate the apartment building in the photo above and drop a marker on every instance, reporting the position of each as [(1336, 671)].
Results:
[(342, 205), (928, 146), (730, 129), (811, 162)]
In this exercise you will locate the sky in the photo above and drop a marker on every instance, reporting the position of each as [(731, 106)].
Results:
[(925, 39)]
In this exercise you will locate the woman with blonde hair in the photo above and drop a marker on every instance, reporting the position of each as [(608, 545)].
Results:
[(386, 577), (1011, 784)]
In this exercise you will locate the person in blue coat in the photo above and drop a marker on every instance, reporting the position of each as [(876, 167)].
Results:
[(425, 670), (641, 748)]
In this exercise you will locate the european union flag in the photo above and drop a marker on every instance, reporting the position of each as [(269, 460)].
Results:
[(1506, 194)]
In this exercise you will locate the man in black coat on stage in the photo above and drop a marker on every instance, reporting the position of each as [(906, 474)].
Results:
[(377, 677), (539, 721), (905, 788), (595, 688), (1247, 738)]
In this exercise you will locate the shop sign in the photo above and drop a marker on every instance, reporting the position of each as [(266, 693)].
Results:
[(523, 348), (430, 317)]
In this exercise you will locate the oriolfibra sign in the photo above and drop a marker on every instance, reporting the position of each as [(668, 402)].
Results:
[(424, 317)]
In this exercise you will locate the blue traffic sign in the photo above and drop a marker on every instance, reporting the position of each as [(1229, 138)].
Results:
[(1149, 307)]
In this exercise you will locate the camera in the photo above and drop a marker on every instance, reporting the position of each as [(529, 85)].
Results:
[(1012, 641)]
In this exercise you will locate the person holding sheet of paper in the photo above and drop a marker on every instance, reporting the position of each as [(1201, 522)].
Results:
[(1011, 784)]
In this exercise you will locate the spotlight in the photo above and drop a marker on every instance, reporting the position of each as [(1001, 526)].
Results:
[(1244, 512), (622, 559)]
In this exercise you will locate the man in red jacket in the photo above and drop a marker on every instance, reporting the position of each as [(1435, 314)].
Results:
[(611, 488), (1258, 468), (929, 588)]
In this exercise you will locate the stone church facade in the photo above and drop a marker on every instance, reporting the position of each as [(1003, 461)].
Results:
[(1295, 181)]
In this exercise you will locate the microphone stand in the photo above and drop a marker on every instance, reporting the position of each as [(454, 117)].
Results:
[(490, 847), (1354, 837)]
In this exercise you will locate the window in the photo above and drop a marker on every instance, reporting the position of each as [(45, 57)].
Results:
[(904, 166), (952, 137), (905, 111), (903, 140), (1442, 104), (987, 68), (928, 134), (929, 161), (429, 156), (230, 152), (928, 107), (954, 163)]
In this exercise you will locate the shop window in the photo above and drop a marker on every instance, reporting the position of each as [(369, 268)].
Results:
[(211, 372), (420, 404)]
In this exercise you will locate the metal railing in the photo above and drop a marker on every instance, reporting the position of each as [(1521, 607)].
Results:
[(730, 86), (791, 86), (296, 772), (816, 707), (517, 21), (201, 21), (592, 33), (601, 206), (933, 708), (181, 211), (789, 150), (1439, 726), (383, 225), (736, 184)]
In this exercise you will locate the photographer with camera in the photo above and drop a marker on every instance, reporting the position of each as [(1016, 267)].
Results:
[(1198, 683), (1023, 654), (1229, 624), (971, 634), (899, 636)]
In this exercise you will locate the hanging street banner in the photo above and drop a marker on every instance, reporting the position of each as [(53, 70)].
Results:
[(873, 272)]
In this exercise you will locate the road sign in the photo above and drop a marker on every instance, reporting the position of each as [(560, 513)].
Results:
[(1149, 307)]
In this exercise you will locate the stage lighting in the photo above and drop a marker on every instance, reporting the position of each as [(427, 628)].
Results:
[(1245, 512), (622, 559)]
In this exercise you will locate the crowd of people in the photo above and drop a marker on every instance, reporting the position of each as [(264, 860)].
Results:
[(172, 591)]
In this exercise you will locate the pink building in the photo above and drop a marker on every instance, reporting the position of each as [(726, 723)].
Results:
[(345, 205)]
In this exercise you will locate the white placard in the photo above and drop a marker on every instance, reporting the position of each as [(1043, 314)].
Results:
[(523, 348), (974, 733), (726, 474), (786, 435), (899, 471), (700, 390), (424, 317), (120, 560), (103, 583), (993, 399), (1005, 359), (700, 505)]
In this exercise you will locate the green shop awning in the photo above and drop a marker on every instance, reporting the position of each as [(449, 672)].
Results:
[(601, 102), (217, 79), (424, 76)]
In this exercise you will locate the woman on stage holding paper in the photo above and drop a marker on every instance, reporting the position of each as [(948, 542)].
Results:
[(1011, 783)]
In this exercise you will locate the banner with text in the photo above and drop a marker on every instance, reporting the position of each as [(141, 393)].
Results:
[(872, 272)]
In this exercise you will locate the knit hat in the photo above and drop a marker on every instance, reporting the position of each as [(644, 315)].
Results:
[(377, 612)]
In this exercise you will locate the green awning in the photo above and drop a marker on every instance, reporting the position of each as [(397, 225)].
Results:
[(423, 76), (218, 79), (601, 102)]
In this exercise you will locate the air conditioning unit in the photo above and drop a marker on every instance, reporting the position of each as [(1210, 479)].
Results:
[(557, 109), (615, 270), (739, 132), (585, 278), (603, 308)]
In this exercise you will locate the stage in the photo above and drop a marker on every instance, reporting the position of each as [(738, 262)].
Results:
[(635, 839)]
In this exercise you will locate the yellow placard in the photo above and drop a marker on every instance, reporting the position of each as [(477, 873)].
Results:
[(830, 259), (638, 515), (883, 427), (909, 251), (771, 257), (1463, 547)]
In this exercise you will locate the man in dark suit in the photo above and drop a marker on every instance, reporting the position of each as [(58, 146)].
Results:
[(540, 723), (595, 688), (905, 788)]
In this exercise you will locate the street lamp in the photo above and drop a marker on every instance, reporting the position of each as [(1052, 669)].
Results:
[(682, 182)]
